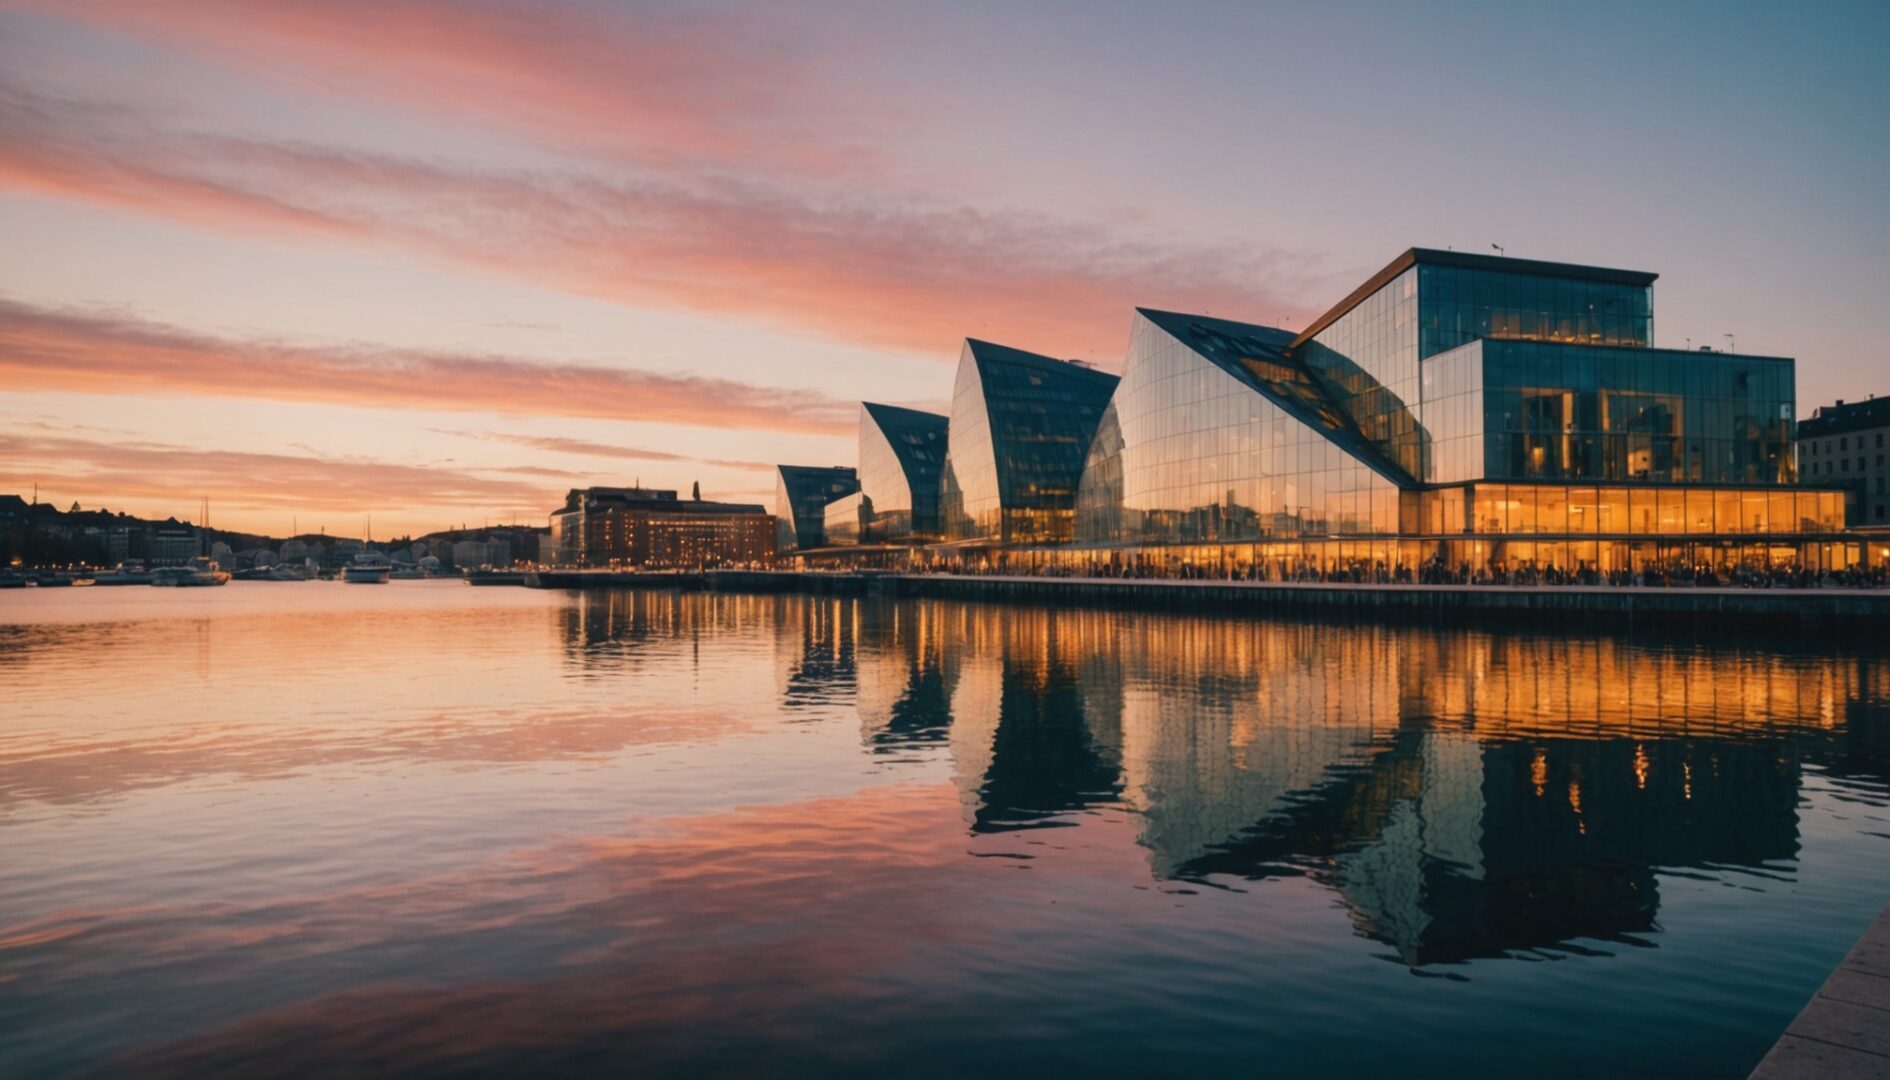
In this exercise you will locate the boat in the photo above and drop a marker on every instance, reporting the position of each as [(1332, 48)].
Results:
[(368, 568), (129, 572), (12, 579), (285, 572), (408, 573), (199, 571)]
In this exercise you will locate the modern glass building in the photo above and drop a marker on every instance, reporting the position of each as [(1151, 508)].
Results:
[(1458, 410), (1021, 427), (902, 455), (1216, 433), (801, 495)]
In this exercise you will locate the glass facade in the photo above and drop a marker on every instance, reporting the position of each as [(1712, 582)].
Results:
[(902, 454), (1545, 302), (1628, 511), (1216, 434), (1021, 427), (1373, 357), (1519, 410), (1367, 360), (842, 520), (801, 495)]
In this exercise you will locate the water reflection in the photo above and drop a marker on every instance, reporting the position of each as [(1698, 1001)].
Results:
[(1465, 794), (413, 830)]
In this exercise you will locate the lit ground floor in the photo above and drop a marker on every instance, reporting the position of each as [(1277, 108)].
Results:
[(1772, 559)]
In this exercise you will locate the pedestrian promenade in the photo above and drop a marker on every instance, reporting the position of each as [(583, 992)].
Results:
[(1844, 1031)]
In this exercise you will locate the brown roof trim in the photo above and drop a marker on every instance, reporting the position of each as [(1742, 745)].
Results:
[(1468, 261)]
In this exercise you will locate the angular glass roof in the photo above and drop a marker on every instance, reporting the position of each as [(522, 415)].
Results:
[(908, 430), (1258, 357)]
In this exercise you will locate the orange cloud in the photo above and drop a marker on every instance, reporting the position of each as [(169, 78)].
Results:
[(847, 263), (123, 473), (558, 444), (53, 349)]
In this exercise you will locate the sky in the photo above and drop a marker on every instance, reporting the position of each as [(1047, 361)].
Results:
[(434, 263)]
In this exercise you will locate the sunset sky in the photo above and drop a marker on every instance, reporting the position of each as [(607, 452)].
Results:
[(437, 262)]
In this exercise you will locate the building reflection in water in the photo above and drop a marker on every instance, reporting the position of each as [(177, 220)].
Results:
[(1466, 793)]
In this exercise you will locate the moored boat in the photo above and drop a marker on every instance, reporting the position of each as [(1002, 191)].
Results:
[(368, 568), (129, 572), (199, 571)]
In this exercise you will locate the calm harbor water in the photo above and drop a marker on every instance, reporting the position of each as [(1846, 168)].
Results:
[(281, 828)]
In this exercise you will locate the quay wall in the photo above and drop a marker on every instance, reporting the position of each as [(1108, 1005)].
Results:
[(1772, 607)]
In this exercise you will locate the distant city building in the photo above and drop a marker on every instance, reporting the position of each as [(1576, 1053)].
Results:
[(801, 495), (1844, 445), (1021, 427), (171, 545), (902, 457), (116, 543), (471, 554), (645, 528)]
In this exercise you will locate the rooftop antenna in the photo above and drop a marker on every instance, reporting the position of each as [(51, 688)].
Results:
[(1498, 247), (1731, 345)]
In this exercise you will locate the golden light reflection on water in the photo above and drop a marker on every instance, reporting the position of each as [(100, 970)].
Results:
[(421, 828)]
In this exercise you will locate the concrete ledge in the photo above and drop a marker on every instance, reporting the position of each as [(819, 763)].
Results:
[(1844, 1030), (1719, 605)]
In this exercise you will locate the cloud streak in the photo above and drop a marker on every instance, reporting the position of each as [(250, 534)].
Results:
[(558, 444), (633, 80), (89, 352), (842, 263), (122, 474)]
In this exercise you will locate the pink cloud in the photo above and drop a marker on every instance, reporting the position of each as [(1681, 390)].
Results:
[(57, 349), (847, 265), (647, 81)]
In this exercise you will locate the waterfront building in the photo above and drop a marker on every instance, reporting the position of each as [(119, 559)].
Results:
[(172, 545), (902, 455), (640, 527), (472, 554), (1458, 411), (1845, 446), (1021, 426), (801, 495)]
